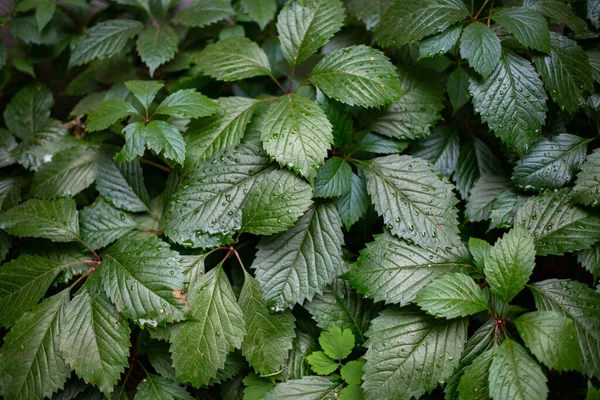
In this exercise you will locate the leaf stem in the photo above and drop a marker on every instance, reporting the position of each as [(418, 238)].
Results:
[(155, 164), (481, 9), (277, 83)]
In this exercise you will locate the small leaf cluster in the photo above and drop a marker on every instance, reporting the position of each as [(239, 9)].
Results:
[(302, 199)]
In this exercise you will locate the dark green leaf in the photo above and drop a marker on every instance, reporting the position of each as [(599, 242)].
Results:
[(203, 12), (440, 43), (234, 58), (260, 11), (440, 149), (155, 387), (482, 196), (559, 11), (159, 136), (475, 158), (590, 260), (28, 111), (474, 381), (10, 193), (353, 204), (457, 86), (587, 187), (334, 179), (529, 26), (157, 46), (307, 388), (109, 112), (144, 91), (369, 12), (481, 47), (100, 224)]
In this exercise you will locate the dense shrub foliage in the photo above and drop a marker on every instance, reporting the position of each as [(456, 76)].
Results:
[(259, 199)]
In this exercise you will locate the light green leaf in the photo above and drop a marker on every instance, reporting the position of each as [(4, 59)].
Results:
[(512, 102), (587, 187), (55, 220), (155, 387), (334, 179), (187, 103), (321, 364), (208, 136), (140, 276), (353, 204), (579, 303), (529, 26), (307, 388), (203, 12), (336, 343), (297, 133), (144, 91), (440, 149), (10, 193), (415, 202), (483, 194), (275, 203), (409, 353), (474, 159), (451, 296), (232, 59), (269, 336), (559, 11), (109, 112), (28, 111), (590, 260), (159, 136), (481, 47), (30, 362), (549, 335), (295, 265), (44, 13), (510, 263), (557, 225), (352, 372), (216, 327), (474, 381), (592, 392), (260, 11), (480, 250), (566, 72), (100, 224), (103, 40), (303, 26), (122, 184), (457, 86), (70, 171), (550, 164), (409, 20), (440, 43), (157, 46), (416, 112), (211, 197), (357, 75), (93, 341), (390, 269), (514, 374)]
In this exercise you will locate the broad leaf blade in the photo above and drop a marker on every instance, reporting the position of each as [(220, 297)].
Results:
[(155, 387), (109, 112), (234, 58), (309, 387), (481, 47), (441, 149), (474, 159), (28, 111), (587, 187), (203, 12), (354, 204), (159, 136), (334, 178), (483, 195), (100, 224), (529, 27), (451, 296), (561, 12), (187, 103), (157, 46)]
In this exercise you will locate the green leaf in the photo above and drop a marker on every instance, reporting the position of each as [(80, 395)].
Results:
[(307, 388), (93, 341), (256, 387), (440, 149), (70, 171), (334, 179), (512, 102), (390, 269), (303, 26), (587, 186), (321, 364), (474, 159), (211, 135), (579, 303), (211, 198), (159, 136), (144, 91), (566, 72), (593, 12), (269, 336), (481, 47), (369, 12), (297, 133), (457, 86), (590, 260), (140, 276), (30, 361), (28, 111), (297, 264), (372, 143), (155, 387), (409, 353), (451, 296), (549, 335), (440, 43), (357, 75), (55, 220), (103, 40), (409, 20), (510, 263), (39, 148), (100, 224), (157, 46), (122, 184), (109, 112), (44, 13), (353, 204), (5, 244), (480, 250), (592, 393), (203, 12), (216, 327), (415, 202), (416, 112), (10, 193), (352, 372), (483, 194), (557, 225), (594, 59), (297, 365), (514, 374), (187, 103), (529, 26), (337, 114), (260, 11), (232, 59), (550, 164), (559, 11), (336, 343), (275, 203), (474, 381)]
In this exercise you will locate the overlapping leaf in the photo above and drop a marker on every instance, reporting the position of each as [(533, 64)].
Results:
[(204, 12), (481, 47), (529, 26), (483, 195), (354, 204), (159, 136), (587, 187), (441, 149), (334, 178), (157, 46)]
